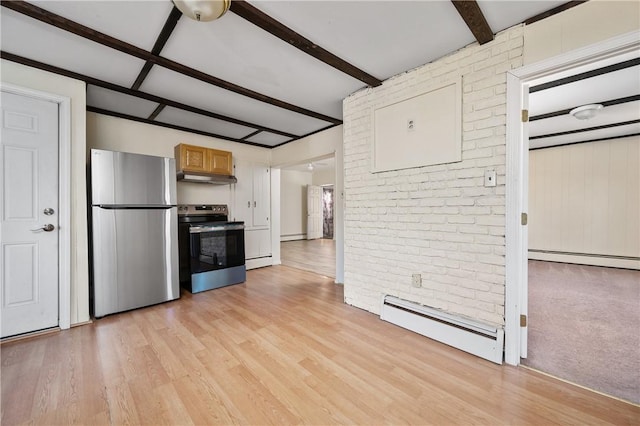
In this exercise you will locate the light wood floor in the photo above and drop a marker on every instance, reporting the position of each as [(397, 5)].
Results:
[(317, 256), (280, 349)]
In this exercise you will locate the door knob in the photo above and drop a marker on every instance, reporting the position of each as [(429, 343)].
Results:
[(46, 228), (48, 211)]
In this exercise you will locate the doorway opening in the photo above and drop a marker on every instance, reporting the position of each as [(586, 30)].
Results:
[(307, 216), (562, 177), (583, 205)]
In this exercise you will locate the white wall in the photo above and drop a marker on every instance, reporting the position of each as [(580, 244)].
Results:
[(32, 78), (117, 134), (584, 200), (585, 24), (293, 204), (439, 221), (315, 146), (324, 177)]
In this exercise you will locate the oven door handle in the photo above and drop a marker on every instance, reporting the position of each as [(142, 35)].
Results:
[(213, 228)]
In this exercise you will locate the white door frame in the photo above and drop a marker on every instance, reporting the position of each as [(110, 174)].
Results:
[(517, 167), (64, 194)]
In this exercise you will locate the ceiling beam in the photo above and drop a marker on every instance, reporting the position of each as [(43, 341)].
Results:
[(170, 126), (331, 126), (153, 98), (156, 112), (587, 129), (475, 20), (251, 135), (58, 21), (553, 11), (587, 74), (162, 39), (286, 34)]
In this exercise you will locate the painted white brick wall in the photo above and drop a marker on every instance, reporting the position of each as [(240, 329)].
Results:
[(439, 221)]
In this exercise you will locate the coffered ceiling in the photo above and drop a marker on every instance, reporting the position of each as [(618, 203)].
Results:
[(266, 73)]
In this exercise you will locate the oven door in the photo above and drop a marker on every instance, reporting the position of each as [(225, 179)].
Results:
[(216, 246)]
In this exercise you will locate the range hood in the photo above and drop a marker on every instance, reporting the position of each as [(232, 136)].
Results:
[(199, 177)]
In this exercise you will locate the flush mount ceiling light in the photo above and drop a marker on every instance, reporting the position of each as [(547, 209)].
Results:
[(203, 10), (310, 167), (586, 112)]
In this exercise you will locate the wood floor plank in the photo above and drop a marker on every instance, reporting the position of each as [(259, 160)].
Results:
[(281, 348), (318, 256)]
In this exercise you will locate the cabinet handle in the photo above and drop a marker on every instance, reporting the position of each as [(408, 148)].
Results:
[(255, 204), (248, 204)]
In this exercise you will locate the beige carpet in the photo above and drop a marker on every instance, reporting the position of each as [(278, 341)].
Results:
[(584, 326)]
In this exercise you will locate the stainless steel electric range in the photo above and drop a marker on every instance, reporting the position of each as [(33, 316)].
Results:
[(211, 249)]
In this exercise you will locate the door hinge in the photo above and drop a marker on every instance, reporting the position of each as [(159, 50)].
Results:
[(523, 320), (524, 218), (525, 115)]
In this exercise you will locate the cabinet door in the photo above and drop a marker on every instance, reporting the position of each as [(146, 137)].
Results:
[(220, 161), (243, 200), (264, 241), (257, 243), (251, 244), (193, 158), (261, 196)]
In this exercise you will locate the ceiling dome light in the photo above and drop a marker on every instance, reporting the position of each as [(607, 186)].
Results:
[(203, 10), (310, 167), (586, 112)]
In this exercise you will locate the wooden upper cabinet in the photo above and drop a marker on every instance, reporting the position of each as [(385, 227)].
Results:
[(220, 162), (190, 158)]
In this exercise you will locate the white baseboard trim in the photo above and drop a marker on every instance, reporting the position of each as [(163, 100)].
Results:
[(259, 262), (586, 260), (293, 237)]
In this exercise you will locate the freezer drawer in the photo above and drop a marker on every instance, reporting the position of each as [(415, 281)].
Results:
[(135, 258), (119, 178)]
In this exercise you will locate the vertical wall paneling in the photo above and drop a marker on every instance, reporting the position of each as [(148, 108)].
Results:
[(584, 199)]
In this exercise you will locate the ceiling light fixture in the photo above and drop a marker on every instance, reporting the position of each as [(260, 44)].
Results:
[(586, 112), (310, 167), (203, 10)]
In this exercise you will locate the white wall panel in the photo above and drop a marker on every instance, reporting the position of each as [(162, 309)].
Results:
[(584, 199), (419, 131), (579, 26)]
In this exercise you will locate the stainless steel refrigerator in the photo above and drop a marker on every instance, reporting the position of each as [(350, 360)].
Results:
[(134, 231)]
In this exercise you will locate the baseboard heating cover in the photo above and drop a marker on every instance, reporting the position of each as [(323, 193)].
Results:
[(470, 336)]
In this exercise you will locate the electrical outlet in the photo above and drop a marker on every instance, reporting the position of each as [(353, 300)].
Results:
[(490, 178), (411, 125), (416, 280)]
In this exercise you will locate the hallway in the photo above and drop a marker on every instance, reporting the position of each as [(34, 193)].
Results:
[(317, 256)]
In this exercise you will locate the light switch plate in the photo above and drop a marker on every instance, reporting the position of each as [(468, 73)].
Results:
[(490, 178)]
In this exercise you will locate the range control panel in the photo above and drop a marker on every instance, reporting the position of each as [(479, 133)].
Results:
[(203, 209)]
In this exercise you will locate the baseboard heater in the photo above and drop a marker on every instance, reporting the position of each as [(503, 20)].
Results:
[(470, 336)]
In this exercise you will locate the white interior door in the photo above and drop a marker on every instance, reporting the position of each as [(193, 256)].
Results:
[(29, 224), (314, 212)]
